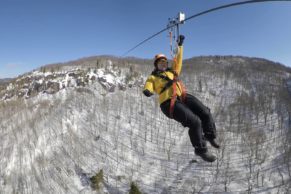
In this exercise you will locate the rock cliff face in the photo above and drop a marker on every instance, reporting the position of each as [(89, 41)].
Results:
[(86, 127), (36, 82)]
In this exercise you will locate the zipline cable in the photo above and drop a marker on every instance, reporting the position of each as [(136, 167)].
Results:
[(199, 14)]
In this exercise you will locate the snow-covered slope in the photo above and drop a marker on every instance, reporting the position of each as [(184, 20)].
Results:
[(36, 82), (68, 125)]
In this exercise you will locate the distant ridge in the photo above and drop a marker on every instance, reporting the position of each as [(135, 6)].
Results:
[(5, 80)]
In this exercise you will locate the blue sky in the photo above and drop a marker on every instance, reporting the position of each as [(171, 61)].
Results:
[(38, 32)]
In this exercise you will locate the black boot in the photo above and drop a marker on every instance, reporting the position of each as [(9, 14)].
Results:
[(213, 143), (205, 155)]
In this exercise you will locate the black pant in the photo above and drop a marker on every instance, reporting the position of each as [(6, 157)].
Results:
[(193, 114)]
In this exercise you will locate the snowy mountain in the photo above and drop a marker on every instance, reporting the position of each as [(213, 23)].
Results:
[(67, 127)]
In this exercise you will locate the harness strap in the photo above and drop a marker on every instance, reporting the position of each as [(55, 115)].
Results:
[(184, 91), (174, 96), (172, 83), (173, 100), (168, 85)]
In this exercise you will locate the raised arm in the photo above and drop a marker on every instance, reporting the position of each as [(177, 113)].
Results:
[(177, 66)]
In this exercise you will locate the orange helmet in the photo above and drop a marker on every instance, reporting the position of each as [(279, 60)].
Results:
[(158, 57)]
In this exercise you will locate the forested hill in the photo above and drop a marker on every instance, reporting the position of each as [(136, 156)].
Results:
[(84, 126)]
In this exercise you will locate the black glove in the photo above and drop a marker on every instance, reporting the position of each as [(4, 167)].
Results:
[(180, 40), (147, 93)]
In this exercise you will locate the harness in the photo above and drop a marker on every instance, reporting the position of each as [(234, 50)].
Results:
[(171, 83)]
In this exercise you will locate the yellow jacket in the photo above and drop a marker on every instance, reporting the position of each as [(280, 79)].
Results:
[(155, 84)]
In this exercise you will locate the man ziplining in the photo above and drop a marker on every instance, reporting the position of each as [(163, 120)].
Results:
[(175, 103), (181, 106)]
